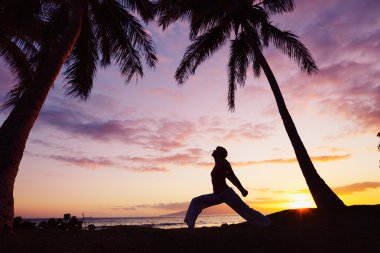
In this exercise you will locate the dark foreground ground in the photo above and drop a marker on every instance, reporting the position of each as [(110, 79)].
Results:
[(355, 230)]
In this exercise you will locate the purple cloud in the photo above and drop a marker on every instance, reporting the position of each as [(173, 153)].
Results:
[(344, 38), (155, 134), (186, 158), (161, 134), (100, 162), (85, 162)]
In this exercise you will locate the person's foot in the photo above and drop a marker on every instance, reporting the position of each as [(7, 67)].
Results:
[(188, 223)]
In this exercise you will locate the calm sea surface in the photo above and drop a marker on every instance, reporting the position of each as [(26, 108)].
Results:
[(158, 222)]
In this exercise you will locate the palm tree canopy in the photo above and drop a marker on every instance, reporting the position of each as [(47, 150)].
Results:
[(245, 24), (109, 33)]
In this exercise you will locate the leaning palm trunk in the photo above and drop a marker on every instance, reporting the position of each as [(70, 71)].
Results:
[(16, 128), (324, 197)]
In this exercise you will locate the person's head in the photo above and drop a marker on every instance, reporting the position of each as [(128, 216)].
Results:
[(220, 152)]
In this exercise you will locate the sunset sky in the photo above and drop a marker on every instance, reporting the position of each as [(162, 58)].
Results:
[(144, 149)]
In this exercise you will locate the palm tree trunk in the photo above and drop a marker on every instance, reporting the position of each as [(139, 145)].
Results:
[(16, 128), (324, 197)]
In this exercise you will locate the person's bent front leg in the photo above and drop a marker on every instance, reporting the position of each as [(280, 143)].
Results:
[(199, 203)]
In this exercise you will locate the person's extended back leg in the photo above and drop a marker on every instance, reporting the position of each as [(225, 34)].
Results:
[(199, 203), (237, 204)]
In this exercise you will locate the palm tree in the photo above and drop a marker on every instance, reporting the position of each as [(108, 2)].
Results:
[(246, 25), (81, 34)]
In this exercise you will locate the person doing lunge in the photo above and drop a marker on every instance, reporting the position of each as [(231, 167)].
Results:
[(222, 193)]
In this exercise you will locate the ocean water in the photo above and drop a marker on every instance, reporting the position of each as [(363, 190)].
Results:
[(162, 222)]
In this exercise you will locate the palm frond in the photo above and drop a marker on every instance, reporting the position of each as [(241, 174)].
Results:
[(16, 54), (128, 59), (239, 59), (104, 43), (169, 11), (102, 31), (54, 24), (144, 8), (232, 73), (141, 40), (119, 33), (82, 62), (19, 14), (201, 49), (202, 15), (278, 6), (258, 19), (13, 96), (27, 46), (242, 52), (254, 42), (256, 67), (123, 48), (293, 48), (57, 19), (204, 19), (16, 59)]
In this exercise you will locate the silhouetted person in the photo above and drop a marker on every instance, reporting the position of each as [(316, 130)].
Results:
[(224, 194)]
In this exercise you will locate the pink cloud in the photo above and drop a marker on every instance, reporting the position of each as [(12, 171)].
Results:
[(357, 187), (191, 156), (351, 188), (178, 208), (170, 134), (85, 162), (157, 134), (149, 169), (249, 131), (101, 163), (236, 130), (174, 206), (195, 156), (281, 161), (174, 94)]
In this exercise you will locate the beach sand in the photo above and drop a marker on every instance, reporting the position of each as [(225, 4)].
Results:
[(355, 230)]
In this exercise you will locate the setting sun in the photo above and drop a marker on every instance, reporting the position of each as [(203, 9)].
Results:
[(301, 201)]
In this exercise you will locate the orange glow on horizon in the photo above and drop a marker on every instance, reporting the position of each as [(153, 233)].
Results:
[(301, 201)]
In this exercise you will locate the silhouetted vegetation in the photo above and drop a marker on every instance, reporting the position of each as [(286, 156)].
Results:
[(91, 227), (19, 223), (67, 223)]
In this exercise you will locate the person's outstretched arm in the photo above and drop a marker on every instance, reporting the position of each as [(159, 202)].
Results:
[(235, 181)]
